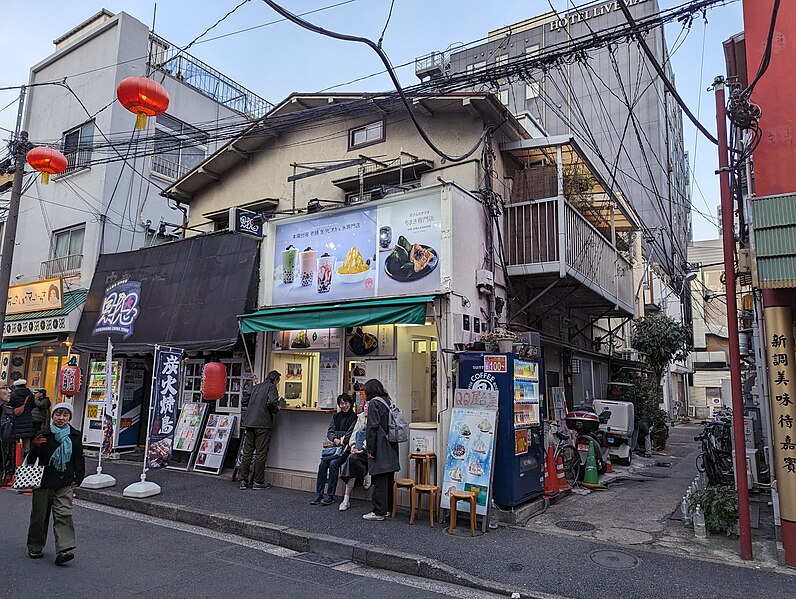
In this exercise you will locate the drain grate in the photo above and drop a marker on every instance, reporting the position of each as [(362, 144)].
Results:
[(320, 560), (575, 525), (614, 560)]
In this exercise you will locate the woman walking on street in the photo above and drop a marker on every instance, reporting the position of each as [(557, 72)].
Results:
[(61, 452), (40, 414), (335, 451), (383, 460)]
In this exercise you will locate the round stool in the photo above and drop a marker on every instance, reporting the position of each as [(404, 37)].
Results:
[(423, 466), (434, 497), (401, 483), (469, 496)]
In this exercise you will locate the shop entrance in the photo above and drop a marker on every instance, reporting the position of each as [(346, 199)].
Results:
[(424, 379)]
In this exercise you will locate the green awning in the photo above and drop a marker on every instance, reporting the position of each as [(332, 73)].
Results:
[(402, 310), (9, 345)]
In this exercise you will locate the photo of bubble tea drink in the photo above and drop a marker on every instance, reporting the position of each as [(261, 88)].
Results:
[(307, 260), (289, 264), (325, 269)]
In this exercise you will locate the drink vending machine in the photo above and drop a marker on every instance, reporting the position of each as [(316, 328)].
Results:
[(128, 398), (519, 452)]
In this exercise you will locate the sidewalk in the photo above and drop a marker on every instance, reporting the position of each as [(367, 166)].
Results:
[(506, 560)]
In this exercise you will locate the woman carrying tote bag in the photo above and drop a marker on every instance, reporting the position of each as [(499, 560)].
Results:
[(60, 450)]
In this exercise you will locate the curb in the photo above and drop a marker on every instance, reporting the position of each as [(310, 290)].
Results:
[(302, 541)]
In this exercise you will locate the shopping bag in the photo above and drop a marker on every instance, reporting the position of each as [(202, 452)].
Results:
[(27, 476)]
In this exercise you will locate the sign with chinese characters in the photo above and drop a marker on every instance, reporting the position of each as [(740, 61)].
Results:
[(391, 248), (476, 398), (782, 382), (41, 295), (246, 222), (119, 308), (163, 408)]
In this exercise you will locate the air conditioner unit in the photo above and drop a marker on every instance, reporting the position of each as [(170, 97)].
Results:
[(628, 354), (692, 411)]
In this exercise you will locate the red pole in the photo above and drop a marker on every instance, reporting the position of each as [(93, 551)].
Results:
[(728, 241)]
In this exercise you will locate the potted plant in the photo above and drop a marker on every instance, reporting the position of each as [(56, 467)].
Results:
[(500, 339), (720, 505)]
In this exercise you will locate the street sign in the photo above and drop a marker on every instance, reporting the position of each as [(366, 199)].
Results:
[(246, 222)]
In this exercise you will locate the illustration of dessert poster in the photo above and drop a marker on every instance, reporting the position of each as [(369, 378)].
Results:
[(468, 461)]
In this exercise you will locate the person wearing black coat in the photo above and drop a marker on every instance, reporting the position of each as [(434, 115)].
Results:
[(383, 460), (21, 396), (60, 451), (336, 445)]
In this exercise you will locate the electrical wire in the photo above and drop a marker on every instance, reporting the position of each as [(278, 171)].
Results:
[(387, 24), (766, 59)]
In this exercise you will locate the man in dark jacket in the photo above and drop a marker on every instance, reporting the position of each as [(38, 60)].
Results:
[(7, 439), (383, 461), (22, 397), (60, 451), (258, 420)]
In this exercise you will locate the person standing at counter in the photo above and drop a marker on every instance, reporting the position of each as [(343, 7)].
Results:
[(261, 410), (335, 451), (383, 461)]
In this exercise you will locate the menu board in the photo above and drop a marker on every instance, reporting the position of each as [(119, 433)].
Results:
[(189, 426), (214, 443), (328, 379), (468, 462), (375, 251)]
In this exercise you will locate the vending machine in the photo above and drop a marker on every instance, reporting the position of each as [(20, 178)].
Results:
[(519, 452), (127, 380)]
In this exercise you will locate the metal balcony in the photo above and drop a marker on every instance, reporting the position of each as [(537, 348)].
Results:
[(431, 65), (64, 266)]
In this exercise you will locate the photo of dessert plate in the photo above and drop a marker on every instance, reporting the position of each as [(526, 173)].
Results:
[(458, 452), (356, 277)]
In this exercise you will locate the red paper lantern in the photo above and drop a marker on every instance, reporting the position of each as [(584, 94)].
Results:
[(214, 381), (47, 161), (69, 380), (144, 97)]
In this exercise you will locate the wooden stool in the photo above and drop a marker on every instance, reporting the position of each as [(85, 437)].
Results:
[(423, 469), (464, 496), (401, 483), (434, 497)]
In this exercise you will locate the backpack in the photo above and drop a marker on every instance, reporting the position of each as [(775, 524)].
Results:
[(7, 423), (397, 428)]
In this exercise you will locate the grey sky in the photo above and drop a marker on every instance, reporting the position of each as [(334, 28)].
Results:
[(278, 59)]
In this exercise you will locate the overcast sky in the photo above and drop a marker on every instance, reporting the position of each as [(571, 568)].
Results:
[(277, 59)]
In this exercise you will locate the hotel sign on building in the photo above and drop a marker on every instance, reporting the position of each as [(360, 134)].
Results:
[(591, 12)]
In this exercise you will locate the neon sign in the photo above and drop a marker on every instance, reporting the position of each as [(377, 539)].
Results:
[(119, 308)]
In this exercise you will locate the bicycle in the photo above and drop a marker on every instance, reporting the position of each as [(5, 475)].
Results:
[(716, 457), (570, 457)]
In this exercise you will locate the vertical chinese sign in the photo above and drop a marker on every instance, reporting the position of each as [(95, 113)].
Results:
[(782, 382), (163, 411)]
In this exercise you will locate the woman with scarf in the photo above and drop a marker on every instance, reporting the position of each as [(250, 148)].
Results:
[(60, 451)]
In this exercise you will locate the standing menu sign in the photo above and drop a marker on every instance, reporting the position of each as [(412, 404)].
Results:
[(471, 446), (163, 407), (214, 443), (188, 433)]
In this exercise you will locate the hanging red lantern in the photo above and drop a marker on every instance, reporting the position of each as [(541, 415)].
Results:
[(144, 97), (214, 381), (69, 380), (47, 161)]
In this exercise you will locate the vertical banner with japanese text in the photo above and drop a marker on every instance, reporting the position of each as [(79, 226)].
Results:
[(163, 411), (782, 382)]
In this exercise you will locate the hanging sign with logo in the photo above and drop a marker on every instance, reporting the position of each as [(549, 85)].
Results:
[(163, 408), (246, 222), (31, 297), (120, 308)]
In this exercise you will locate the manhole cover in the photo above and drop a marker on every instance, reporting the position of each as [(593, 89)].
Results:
[(514, 567), (655, 474), (321, 560), (614, 560), (575, 525)]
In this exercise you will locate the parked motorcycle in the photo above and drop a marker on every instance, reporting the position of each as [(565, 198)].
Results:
[(585, 423)]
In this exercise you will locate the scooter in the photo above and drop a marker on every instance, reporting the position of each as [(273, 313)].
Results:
[(585, 423)]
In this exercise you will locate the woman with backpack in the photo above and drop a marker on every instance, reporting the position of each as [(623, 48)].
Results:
[(383, 461)]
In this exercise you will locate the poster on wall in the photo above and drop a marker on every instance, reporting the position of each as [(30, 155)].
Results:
[(328, 379), (377, 251), (468, 462), (214, 443)]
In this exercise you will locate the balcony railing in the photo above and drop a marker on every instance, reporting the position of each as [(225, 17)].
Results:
[(537, 243), (65, 266), (168, 168)]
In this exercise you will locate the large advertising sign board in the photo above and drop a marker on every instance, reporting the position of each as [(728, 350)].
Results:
[(379, 250), (32, 297)]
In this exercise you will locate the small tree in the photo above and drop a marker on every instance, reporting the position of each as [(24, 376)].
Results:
[(661, 341)]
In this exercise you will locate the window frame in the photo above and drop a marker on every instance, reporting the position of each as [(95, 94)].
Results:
[(83, 149), (380, 139), (69, 231), (186, 133), (532, 85)]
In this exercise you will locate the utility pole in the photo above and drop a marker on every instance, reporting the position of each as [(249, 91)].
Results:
[(19, 149), (728, 241)]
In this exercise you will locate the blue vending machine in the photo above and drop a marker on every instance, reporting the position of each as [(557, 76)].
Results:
[(519, 452)]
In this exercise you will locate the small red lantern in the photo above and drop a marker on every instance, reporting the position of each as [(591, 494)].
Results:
[(214, 381), (69, 383), (143, 97), (47, 161)]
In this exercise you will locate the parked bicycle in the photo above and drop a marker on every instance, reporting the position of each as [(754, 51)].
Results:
[(570, 457), (716, 457)]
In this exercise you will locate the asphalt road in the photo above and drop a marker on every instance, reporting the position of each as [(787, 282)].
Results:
[(123, 555)]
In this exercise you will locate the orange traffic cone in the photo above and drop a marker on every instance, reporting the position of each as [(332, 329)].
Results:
[(550, 480), (608, 466), (563, 485)]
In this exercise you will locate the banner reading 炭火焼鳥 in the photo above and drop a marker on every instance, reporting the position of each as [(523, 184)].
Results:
[(163, 411)]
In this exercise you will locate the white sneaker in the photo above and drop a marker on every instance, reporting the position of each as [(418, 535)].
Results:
[(372, 516), (345, 505), (366, 482)]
